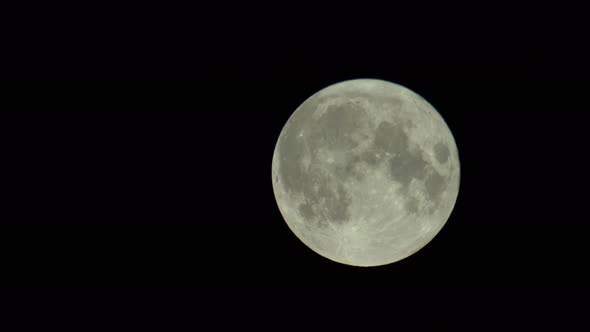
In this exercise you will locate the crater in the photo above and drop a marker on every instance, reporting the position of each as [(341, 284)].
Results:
[(441, 152)]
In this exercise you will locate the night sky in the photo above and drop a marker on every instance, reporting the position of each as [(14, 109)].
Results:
[(143, 159)]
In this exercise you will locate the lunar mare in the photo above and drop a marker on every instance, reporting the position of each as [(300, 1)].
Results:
[(365, 172)]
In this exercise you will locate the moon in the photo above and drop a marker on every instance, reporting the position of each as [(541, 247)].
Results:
[(365, 172)]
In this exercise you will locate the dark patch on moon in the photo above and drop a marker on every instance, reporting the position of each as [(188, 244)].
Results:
[(325, 204), (326, 200), (411, 205), (390, 138), (435, 185), (292, 174), (306, 210), (441, 152), (371, 157), (334, 129), (349, 169), (404, 165), (336, 206)]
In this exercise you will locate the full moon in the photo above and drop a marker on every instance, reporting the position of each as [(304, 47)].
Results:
[(365, 172)]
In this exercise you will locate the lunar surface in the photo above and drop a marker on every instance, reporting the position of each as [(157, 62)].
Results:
[(365, 172)]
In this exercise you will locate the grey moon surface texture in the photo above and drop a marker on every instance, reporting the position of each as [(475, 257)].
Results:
[(365, 172)]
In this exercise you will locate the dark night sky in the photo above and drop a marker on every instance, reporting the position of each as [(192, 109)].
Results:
[(148, 162)]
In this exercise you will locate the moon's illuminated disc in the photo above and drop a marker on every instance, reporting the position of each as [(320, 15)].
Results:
[(365, 172)]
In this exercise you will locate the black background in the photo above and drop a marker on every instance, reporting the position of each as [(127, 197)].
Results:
[(137, 150)]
